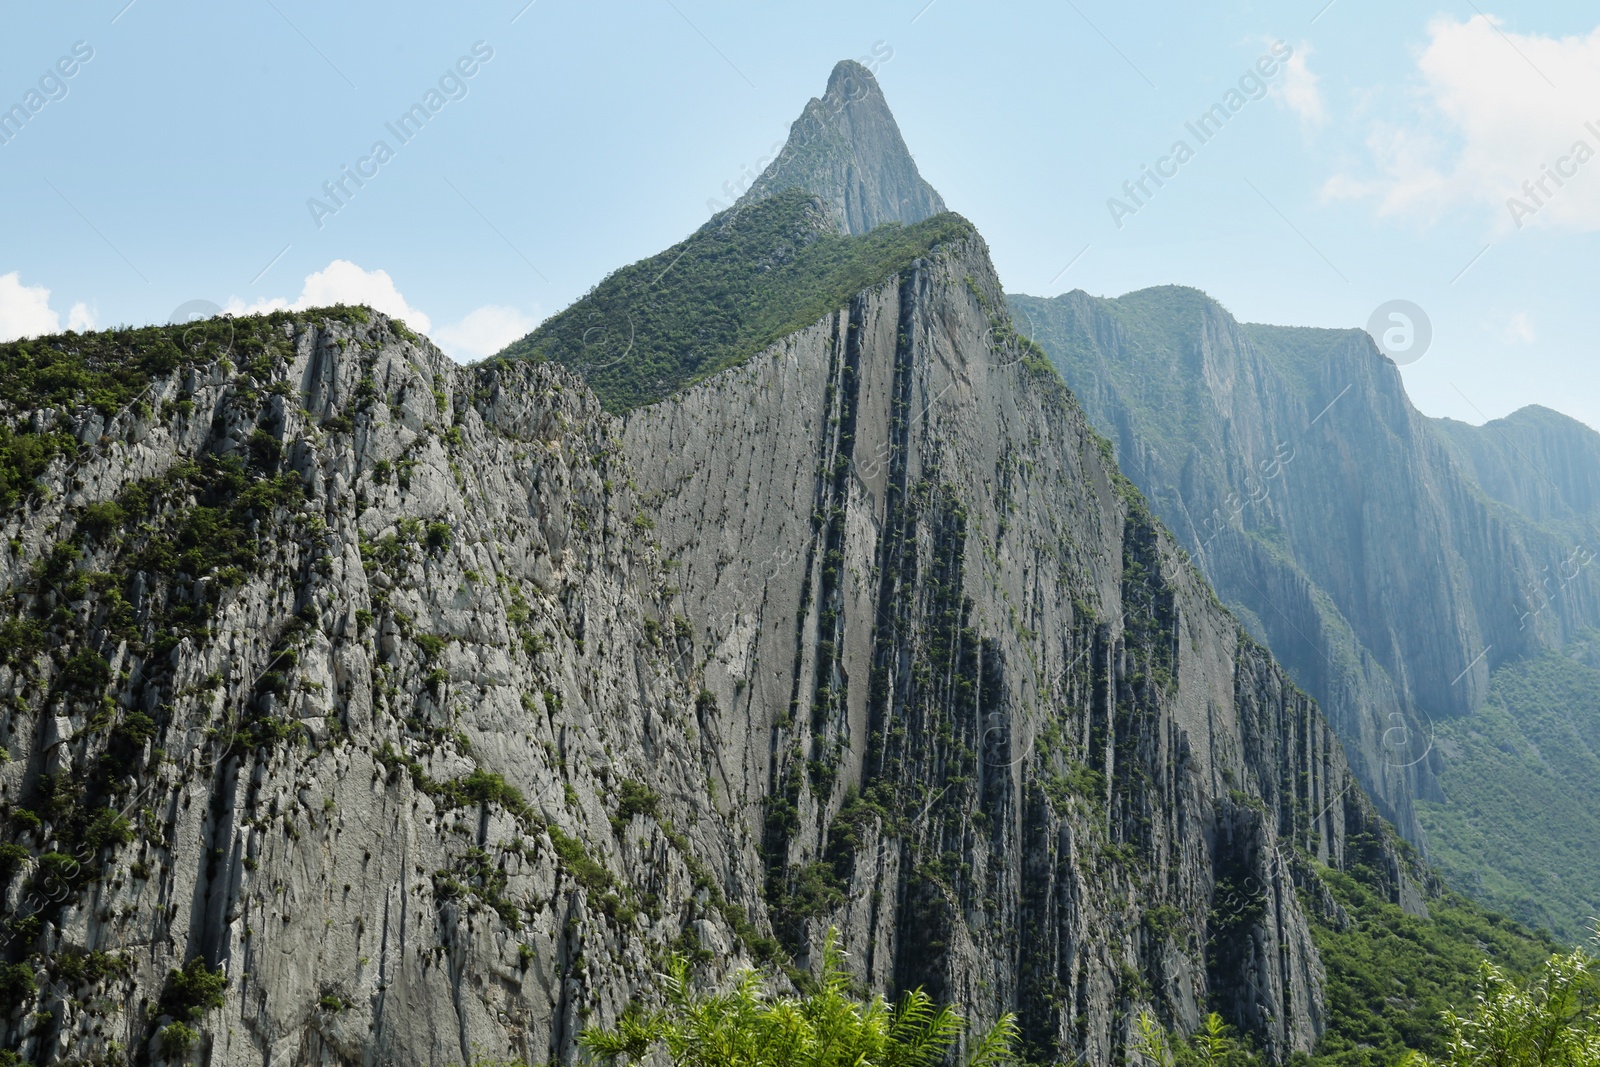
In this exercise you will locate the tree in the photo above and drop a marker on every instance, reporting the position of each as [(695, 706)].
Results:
[(1210, 1046), (1552, 1020), (750, 1027)]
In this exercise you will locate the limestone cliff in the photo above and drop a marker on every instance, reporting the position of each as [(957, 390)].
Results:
[(1537, 461), (362, 708), (1006, 738), (431, 705), (1390, 561)]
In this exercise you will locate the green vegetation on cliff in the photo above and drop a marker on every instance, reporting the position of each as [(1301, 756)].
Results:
[(744, 280), (1520, 824), (1391, 976), (110, 370)]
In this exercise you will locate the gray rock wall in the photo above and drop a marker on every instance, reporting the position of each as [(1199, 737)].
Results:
[(917, 581), (485, 700)]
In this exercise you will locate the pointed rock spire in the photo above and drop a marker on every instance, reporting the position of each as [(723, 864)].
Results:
[(847, 149)]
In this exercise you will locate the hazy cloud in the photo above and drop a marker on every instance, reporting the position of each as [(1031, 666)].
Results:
[(1519, 331), (1506, 127), (1298, 89), (483, 332)]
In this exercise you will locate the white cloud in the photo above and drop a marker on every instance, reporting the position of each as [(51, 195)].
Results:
[(1492, 95), (1519, 331), (25, 311), (1297, 89), (342, 282), (483, 332), (479, 333)]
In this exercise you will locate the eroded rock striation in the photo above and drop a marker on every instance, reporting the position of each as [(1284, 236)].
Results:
[(431, 704)]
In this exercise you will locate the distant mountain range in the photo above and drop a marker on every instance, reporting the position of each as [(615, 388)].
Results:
[(1391, 561)]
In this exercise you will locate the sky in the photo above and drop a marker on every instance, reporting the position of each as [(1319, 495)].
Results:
[(173, 151)]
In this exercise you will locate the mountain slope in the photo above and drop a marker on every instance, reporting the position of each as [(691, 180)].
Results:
[(840, 209), (745, 279), (931, 619), (1537, 461), (361, 679), (846, 148), (1519, 824)]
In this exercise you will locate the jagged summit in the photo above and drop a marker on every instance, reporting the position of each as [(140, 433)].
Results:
[(846, 148)]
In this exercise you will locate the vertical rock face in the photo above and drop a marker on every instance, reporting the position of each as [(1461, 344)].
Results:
[(1342, 524), (1538, 461), (847, 149), (448, 748), (1000, 733), (431, 706), (374, 663)]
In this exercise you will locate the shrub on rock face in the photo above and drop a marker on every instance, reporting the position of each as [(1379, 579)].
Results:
[(193, 991), (17, 983), (177, 1039), (750, 1027)]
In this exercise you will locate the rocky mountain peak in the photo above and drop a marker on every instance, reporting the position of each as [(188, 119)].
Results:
[(846, 148)]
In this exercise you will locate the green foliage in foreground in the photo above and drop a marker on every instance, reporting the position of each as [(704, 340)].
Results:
[(1213, 1045), (747, 278), (828, 1027), (1551, 1021), (1521, 818), (1401, 992)]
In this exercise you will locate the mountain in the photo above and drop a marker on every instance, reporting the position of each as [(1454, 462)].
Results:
[(364, 708), (839, 210), (754, 274), (1539, 462), (1392, 562), (846, 148)]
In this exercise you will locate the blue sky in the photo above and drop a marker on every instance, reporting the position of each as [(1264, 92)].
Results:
[(176, 162)]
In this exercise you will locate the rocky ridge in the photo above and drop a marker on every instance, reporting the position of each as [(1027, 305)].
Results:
[(490, 703), (846, 147)]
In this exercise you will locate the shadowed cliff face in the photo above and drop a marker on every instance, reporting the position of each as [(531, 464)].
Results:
[(846, 148), (1334, 517)]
